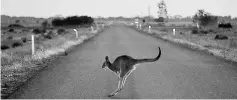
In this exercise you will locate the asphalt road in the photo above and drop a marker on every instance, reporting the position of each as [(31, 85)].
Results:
[(180, 72)]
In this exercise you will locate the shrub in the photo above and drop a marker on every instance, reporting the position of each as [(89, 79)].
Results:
[(194, 31), (45, 24), (60, 31), (38, 31), (204, 31), (211, 30), (164, 30), (221, 37), (15, 26), (43, 31), (72, 20), (225, 25), (50, 32), (16, 44), (48, 36), (24, 39), (11, 30), (25, 30), (9, 38), (160, 19), (4, 47)]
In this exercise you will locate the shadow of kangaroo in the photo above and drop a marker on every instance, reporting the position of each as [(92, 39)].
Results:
[(123, 66)]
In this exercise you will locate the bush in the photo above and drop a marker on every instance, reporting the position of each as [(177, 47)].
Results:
[(160, 19), (11, 30), (50, 33), (60, 31), (164, 30), (73, 20), (43, 31), (45, 24), (15, 26), (225, 25), (38, 31), (194, 31), (204, 31), (25, 30), (9, 38), (16, 44), (211, 30), (24, 39), (48, 36), (221, 37), (4, 47)]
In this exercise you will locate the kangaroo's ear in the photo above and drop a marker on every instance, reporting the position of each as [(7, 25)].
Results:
[(106, 58)]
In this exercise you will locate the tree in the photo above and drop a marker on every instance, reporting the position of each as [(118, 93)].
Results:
[(203, 18), (45, 24), (162, 12), (57, 22), (73, 20)]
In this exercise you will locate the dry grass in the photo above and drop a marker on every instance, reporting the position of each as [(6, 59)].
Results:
[(223, 48), (18, 65)]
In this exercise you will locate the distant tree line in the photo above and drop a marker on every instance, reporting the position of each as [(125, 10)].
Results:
[(72, 20)]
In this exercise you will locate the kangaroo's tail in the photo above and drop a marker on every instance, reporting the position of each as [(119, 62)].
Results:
[(149, 60)]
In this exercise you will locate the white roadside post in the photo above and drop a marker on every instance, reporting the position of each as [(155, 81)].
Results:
[(33, 44), (76, 33), (197, 25), (174, 31), (92, 29), (140, 26), (149, 30)]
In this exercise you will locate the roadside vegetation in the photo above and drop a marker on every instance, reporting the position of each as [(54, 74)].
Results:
[(219, 39), (51, 38)]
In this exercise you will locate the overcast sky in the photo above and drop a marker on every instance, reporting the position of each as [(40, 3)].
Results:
[(105, 8)]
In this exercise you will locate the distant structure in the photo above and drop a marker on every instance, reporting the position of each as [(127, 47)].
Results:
[(162, 12)]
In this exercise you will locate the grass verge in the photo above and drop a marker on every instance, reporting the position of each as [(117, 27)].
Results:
[(195, 42), (18, 65)]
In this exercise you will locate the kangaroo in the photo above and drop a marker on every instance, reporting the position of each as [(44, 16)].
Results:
[(123, 66)]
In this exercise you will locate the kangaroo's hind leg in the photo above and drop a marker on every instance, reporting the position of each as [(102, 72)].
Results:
[(120, 84), (125, 77), (118, 89)]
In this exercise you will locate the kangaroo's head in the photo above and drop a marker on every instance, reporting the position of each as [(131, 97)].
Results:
[(106, 63)]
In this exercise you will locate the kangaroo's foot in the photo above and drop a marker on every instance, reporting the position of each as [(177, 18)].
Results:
[(111, 95)]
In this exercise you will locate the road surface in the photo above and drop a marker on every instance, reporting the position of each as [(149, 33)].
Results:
[(180, 72)]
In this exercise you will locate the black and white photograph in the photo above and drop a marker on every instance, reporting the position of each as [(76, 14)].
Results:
[(118, 49)]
